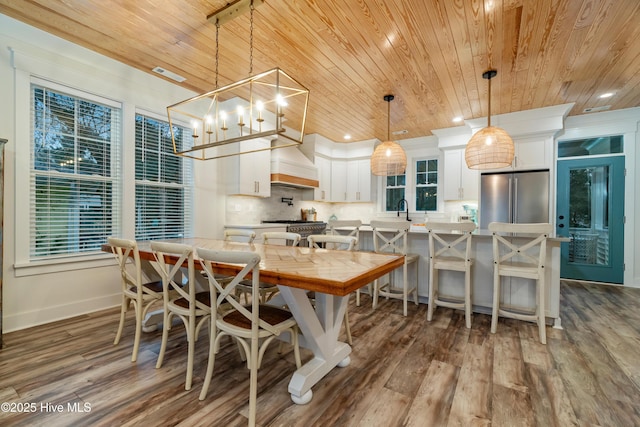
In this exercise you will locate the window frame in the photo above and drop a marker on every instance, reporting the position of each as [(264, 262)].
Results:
[(187, 174), (114, 177), (411, 185)]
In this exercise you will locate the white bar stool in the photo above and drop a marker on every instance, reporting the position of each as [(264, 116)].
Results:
[(450, 249), (522, 255)]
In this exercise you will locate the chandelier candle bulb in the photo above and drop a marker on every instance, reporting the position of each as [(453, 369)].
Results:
[(223, 117)]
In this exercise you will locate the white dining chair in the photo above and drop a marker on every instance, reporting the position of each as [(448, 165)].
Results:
[(450, 249), (142, 294), (392, 237), (268, 290), (254, 326), (520, 250), (334, 242), (191, 306), (239, 235), (348, 227)]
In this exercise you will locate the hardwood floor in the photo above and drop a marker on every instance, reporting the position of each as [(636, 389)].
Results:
[(403, 371)]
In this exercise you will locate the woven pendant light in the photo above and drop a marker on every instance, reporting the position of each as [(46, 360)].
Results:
[(389, 158), (491, 147)]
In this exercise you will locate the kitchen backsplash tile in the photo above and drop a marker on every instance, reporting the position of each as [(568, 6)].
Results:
[(253, 210)]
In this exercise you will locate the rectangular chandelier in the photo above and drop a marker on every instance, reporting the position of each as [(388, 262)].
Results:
[(269, 108)]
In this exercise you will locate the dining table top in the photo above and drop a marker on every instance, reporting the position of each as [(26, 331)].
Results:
[(327, 271)]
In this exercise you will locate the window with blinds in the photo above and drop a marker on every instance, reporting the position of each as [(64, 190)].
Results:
[(427, 185), (163, 181), (74, 172)]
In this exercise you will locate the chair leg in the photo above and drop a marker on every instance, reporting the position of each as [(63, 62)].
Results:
[(123, 312), (191, 347), (165, 337), (211, 360), (405, 289), (433, 291), (376, 285), (136, 340), (347, 327), (496, 301), (542, 327), (467, 297), (415, 289), (253, 381), (358, 298)]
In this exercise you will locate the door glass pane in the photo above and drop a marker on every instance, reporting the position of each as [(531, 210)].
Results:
[(589, 215), (590, 146)]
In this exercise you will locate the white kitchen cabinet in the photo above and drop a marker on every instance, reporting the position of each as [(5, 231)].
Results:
[(250, 173), (338, 180), (460, 182), (359, 180), (323, 192), (534, 153)]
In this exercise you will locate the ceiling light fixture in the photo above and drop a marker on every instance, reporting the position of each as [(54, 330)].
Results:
[(490, 147), (606, 95), (389, 158), (268, 109)]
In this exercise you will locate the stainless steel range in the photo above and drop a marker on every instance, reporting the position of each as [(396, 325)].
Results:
[(303, 228)]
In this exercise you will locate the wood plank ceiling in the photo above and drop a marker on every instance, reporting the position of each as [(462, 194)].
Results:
[(429, 53)]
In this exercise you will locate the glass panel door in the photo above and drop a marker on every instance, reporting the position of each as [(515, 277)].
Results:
[(590, 209)]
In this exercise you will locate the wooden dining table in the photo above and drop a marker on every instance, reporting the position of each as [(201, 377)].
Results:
[(331, 274)]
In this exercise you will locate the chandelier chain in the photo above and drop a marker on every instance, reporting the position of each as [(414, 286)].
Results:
[(217, 51), (251, 40)]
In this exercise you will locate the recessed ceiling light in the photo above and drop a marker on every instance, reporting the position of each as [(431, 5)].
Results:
[(400, 132), (457, 119), (347, 136), (607, 95)]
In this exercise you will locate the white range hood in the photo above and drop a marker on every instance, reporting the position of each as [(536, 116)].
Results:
[(289, 166)]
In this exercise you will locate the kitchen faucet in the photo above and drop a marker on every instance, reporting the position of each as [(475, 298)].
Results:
[(406, 204)]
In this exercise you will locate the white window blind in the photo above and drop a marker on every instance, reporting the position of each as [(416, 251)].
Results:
[(74, 202), (164, 181)]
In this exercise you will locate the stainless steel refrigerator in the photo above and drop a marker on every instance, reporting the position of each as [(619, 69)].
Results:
[(517, 197)]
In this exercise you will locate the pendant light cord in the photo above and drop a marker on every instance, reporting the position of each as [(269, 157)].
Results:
[(217, 50), (251, 39), (489, 119)]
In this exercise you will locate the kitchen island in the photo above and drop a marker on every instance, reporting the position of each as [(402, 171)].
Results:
[(516, 292)]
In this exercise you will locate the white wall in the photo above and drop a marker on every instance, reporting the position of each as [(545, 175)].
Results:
[(37, 294)]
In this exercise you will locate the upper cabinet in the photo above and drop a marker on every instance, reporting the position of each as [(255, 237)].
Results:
[(359, 180), (533, 153), (323, 192), (338, 180), (344, 170), (250, 173), (460, 182)]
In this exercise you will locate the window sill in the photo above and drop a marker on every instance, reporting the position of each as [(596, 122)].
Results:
[(81, 262)]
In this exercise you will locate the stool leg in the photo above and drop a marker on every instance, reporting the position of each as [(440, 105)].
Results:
[(541, 310), (467, 296), (496, 301), (433, 284)]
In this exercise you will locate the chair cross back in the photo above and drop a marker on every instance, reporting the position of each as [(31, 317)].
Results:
[(352, 226), (226, 293), (170, 271), (396, 243), (521, 253), (450, 246), (124, 249)]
